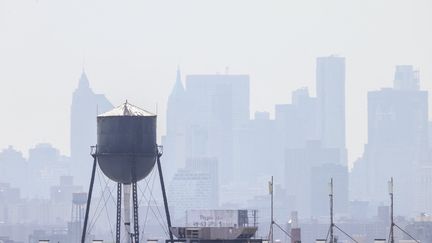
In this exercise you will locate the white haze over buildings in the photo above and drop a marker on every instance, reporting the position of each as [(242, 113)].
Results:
[(130, 49)]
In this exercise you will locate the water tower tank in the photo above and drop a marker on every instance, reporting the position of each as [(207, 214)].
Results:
[(126, 143)]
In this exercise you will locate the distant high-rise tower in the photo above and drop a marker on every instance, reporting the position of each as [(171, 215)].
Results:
[(85, 106), (12, 163), (219, 106), (195, 186), (176, 107), (202, 119), (175, 140), (301, 165), (330, 85), (297, 122), (397, 141)]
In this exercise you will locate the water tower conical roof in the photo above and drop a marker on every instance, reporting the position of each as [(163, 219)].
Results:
[(126, 109)]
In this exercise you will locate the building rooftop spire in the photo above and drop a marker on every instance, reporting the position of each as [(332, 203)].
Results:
[(83, 82), (178, 86), (178, 78)]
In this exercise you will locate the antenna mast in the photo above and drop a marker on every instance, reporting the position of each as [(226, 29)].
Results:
[(273, 222), (332, 224), (271, 212), (392, 224), (331, 211)]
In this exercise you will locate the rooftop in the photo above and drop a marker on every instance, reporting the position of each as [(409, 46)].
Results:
[(126, 109)]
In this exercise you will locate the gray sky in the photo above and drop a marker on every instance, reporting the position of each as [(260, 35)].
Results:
[(131, 50)]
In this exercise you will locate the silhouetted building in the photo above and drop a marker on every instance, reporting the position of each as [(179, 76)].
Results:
[(423, 189), (195, 187), (219, 105), (330, 90), (320, 178), (361, 231), (62, 193), (259, 146), (43, 154), (8, 195), (46, 166), (255, 151), (383, 214), (299, 164), (13, 168), (203, 118), (358, 183), (420, 228), (210, 166), (174, 141), (397, 141), (85, 106), (297, 122), (358, 210)]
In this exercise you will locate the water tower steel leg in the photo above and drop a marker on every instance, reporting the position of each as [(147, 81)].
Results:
[(135, 211), (127, 208), (118, 222), (164, 197), (89, 201)]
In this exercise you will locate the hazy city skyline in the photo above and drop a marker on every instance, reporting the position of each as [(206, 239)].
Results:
[(311, 116), (277, 47)]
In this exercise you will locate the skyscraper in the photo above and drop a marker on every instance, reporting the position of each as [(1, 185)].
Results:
[(176, 107), (219, 105), (46, 166), (301, 166), (195, 186), (202, 119), (330, 90), (85, 106), (174, 141), (320, 177), (297, 122), (397, 140), (12, 163), (255, 153)]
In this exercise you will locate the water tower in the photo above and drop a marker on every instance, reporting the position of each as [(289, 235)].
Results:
[(79, 201), (126, 152)]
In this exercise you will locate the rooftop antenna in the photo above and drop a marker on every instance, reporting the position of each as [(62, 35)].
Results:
[(331, 211), (392, 223), (271, 209), (330, 233), (273, 222)]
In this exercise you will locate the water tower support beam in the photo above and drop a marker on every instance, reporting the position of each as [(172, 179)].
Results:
[(135, 211), (118, 222), (127, 212), (164, 195), (89, 200)]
